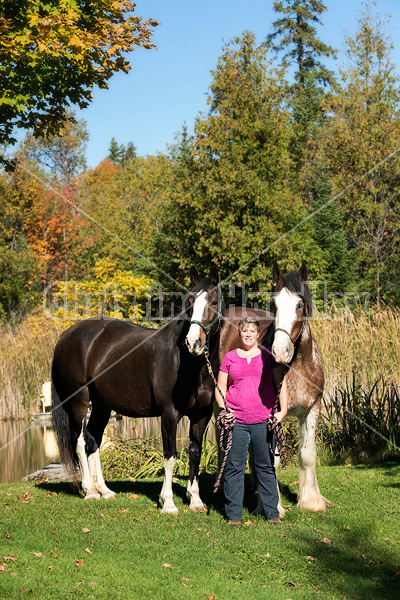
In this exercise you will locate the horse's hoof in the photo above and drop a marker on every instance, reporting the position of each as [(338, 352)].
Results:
[(199, 509), (169, 510), (92, 497), (110, 496)]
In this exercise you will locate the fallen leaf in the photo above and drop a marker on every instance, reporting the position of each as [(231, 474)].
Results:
[(396, 573), (2, 566), (167, 566), (88, 551), (78, 562), (101, 515), (37, 554), (326, 541), (92, 583), (369, 564), (292, 584), (10, 557), (133, 496), (267, 555), (50, 567), (56, 554), (294, 482), (310, 558), (123, 510), (346, 527), (187, 586)]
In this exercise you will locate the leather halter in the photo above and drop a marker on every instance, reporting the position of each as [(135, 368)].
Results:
[(288, 334), (207, 330)]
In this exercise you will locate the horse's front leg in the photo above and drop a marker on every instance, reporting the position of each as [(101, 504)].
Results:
[(309, 495), (196, 433), (169, 424)]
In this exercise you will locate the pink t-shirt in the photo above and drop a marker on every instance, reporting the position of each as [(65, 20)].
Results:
[(251, 393)]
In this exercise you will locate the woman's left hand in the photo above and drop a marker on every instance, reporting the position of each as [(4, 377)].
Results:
[(279, 416)]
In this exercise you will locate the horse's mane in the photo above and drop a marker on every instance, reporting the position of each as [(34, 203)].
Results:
[(300, 288)]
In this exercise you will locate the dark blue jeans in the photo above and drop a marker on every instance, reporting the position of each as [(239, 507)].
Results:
[(242, 436)]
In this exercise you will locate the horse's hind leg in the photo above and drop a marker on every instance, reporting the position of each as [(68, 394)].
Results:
[(196, 433), (309, 495), (98, 420)]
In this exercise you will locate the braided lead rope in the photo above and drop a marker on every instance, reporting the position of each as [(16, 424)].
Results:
[(225, 422), (275, 429)]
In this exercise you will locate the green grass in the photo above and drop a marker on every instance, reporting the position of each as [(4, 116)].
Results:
[(135, 552)]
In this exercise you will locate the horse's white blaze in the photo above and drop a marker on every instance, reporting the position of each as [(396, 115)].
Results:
[(193, 339), (285, 302), (97, 476), (166, 496), (193, 493), (87, 481)]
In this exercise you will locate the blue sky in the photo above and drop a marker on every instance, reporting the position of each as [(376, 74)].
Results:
[(168, 87)]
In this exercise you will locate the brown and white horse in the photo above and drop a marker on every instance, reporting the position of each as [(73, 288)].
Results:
[(289, 336)]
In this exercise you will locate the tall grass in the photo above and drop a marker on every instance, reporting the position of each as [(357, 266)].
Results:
[(365, 344), (26, 351)]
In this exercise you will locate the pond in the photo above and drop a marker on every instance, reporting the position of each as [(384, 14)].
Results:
[(28, 447)]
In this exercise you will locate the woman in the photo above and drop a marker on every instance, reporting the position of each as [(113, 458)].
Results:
[(246, 380)]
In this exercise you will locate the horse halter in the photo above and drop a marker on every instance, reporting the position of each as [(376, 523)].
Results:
[(288, 334), (208, 329)]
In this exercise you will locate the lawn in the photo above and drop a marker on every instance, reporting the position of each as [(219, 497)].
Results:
[(54, 545)]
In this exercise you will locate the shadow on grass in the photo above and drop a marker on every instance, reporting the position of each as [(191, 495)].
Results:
[(367, 575)]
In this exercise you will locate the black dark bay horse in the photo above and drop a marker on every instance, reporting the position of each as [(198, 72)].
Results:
[(287, 332), (137, 372)]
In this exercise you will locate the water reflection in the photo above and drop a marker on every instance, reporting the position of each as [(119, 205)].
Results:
[(28, 447)]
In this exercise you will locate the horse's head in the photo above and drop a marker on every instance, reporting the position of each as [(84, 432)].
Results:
[(204, 309), (293, 305)]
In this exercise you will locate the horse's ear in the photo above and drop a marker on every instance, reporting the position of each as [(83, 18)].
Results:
[(194, 276), (302, 273), (277, 276), (214, 278)]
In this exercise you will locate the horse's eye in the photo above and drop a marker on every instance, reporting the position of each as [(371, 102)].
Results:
[(214, 303), (300, 306)]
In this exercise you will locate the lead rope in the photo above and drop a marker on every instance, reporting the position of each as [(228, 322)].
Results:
[(276, 429), (225, 422)]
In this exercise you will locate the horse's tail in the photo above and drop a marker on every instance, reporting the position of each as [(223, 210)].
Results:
[(62, 424)]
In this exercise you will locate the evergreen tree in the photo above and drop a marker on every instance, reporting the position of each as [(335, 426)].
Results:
[(115, 151), (331, 237), (234, 196), (361, 139), (299, 41)]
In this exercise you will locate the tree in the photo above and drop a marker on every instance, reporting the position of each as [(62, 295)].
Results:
[(120, 155), (233, 195), (362, 140), (299, 41), (52, 54), (59, 158)]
